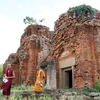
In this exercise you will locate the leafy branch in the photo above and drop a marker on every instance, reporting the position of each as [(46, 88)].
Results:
[(31, 21)]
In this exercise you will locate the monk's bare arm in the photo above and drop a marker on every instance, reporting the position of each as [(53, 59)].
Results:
[(42, 77), (13, 76)]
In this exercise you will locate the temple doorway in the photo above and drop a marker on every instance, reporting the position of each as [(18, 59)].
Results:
[(68, 78), (66, 73)]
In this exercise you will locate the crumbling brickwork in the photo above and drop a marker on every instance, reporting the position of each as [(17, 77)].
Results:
[(75, 38), (28, 55)]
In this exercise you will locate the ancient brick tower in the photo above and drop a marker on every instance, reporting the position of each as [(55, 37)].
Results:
[(76, 49), (27, 57)]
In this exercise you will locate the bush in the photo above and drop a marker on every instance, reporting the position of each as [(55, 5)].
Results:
[(97, 85), (83, 9)]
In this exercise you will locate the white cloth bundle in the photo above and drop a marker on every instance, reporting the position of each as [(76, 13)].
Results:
[(5, 80)]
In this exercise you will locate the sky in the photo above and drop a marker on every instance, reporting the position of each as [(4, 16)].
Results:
[(12, 13)]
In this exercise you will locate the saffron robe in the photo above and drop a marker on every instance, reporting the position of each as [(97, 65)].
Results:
[(39, 78)]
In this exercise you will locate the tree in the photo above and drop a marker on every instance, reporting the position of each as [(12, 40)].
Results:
[(31, 21)]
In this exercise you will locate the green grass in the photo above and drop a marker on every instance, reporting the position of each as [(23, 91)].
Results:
[(16, 88), (1, 68), (16, 91)]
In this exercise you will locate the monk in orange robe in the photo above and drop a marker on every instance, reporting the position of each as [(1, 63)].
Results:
[(40, 77)]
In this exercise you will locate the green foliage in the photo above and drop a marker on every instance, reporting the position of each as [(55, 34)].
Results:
[(82, 10), (17, 88), (41, 20), (1, 68), (45, 87), (48, 40), (97, 85), (87, 91), (92, 90), (74, 98), (74, 90), (29, 20), (81, 92), (46, 97)]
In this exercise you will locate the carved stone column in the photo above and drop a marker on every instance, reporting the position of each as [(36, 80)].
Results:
[(51, 75)]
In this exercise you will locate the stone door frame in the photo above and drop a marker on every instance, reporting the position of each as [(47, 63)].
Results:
[(65, 65)]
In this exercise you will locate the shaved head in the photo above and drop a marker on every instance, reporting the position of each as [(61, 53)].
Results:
[(38, 66), (8, 66)]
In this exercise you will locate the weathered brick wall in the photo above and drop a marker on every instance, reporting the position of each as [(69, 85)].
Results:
[(74, 38), (31, 43)]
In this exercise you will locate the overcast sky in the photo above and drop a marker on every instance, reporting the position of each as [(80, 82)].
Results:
[(12, 13)]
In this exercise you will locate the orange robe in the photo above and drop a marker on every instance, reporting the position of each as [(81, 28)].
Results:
[(39, 78)]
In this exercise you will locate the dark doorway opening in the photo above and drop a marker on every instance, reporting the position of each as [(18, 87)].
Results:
[(68, 78)]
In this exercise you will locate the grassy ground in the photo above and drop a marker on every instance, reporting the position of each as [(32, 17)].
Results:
[(17, 90)]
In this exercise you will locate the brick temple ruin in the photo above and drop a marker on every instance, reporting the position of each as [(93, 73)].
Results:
[(70, 55)]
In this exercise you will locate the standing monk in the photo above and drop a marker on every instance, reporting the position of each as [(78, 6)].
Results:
[(9, 75), (40, 77)]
